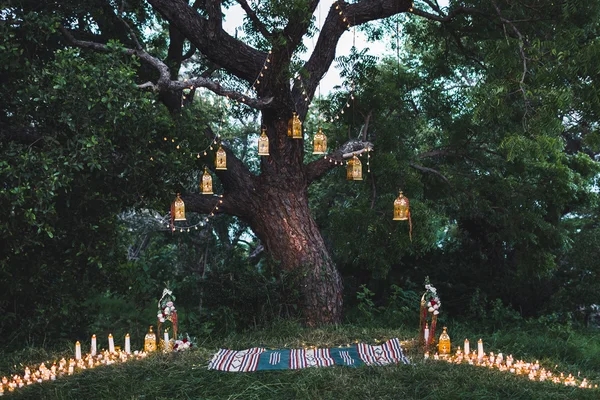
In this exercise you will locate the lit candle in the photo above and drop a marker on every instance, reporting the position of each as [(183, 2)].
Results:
[(127, 344), (426, 334), (78, 350), (166, 337), (480, 352), (111, 343), (93, 348), (467, 348)]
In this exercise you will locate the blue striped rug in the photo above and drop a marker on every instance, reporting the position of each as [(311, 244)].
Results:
[(260, 359)]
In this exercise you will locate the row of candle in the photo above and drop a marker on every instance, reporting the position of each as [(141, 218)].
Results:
[(532, 370), (91, 360)]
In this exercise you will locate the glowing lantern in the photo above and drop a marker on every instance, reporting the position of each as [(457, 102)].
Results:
[(221, 160), (444, 343), (354, 169), (263, 144), (295, 127), (150, 341), (402, 211), (320, 142), (401, 208), (178, 209), (206, 182)]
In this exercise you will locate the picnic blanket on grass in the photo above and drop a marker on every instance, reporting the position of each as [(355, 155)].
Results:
[(260, 359)]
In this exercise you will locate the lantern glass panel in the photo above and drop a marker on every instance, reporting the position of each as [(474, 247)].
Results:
[(401, 208), (263, 144), (320, 142), (178, 209), (356, 169)]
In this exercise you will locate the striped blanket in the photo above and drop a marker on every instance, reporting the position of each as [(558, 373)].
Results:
[(260, 359)]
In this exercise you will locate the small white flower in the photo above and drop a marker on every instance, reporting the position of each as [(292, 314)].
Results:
[(161, 319), (431, 309), (173, 308), (436, 306), (429, 304), (436, 312), (427, 287), (167, 311)]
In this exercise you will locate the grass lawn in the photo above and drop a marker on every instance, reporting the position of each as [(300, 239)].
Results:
[(184, 375)]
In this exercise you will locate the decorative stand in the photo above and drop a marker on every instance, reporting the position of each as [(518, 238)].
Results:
[(430, 304), (166, 312)]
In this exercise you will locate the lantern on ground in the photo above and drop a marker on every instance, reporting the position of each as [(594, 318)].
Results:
[(295, 127), (221, 160), (354, 169), (263, 143), (444, 343), (150, 341), (206, 184), (320, 142), (178, 209)]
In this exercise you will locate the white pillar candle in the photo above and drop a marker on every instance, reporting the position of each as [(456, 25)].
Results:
[(78, 350), (93, 347), (426, 335), (127, 344), (480, 352), (111, 343), (166, 337), (467, 348)]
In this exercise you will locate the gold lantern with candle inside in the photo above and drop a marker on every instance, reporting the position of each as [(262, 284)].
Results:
[(263, 143), (295, 127), (150, 341), (354, 169), (206, 184), (320, 142), (221, 160), (444, 343), (401, 208), (178, 209)]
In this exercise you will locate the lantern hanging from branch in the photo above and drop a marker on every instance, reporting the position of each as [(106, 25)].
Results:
[(221, 160), (349, 169), (355, 169), (263, 143), (178, 209), (295, 127), (402, 211), (206, 184), (320, 142)]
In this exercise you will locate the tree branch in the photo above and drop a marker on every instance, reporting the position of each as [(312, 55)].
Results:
[(256, 22), (238, 58), (431, 171), (319, 167)]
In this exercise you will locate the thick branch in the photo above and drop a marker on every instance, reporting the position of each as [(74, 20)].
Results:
[(211, 40), (256, 22), (318, 168)]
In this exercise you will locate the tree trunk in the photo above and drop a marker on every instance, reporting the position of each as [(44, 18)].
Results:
[(290, 234)]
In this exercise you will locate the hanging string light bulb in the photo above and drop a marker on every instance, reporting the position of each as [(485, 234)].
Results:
[(221, 159), (356, 168), (402, 211), (263, 143), (320, 142), (206, 184), (178, 209), (295, 127)]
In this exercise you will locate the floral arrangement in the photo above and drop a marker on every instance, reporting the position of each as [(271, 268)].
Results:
[(183, 344), (431, 298), (430, 304), (166, 307)]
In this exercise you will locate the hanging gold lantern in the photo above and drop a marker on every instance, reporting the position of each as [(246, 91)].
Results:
[(178, 209), (401, 208), (349, 169), (150, 341), (320, 142), (206, 182), (402, 211), (295, 127), (221, 160), (444, 343), (356, 169), (263, 143)]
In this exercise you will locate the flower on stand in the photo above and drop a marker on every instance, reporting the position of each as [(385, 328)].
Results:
[(431, 297)]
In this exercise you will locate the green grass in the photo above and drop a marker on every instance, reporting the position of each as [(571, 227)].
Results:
[(184, 376)]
